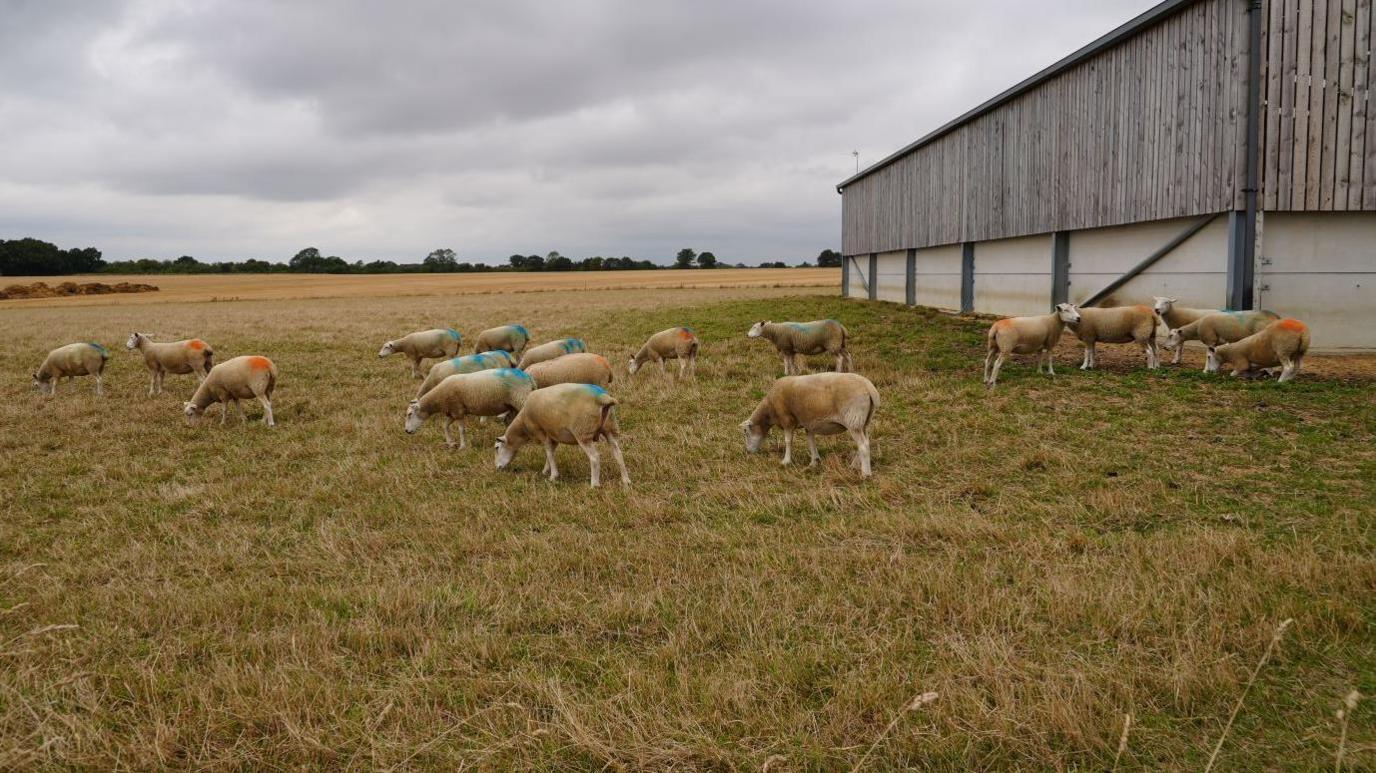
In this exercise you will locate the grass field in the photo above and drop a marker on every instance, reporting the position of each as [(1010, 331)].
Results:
[(333, 593)]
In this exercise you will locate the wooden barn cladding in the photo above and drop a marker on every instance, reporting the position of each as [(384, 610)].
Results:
[(1148, 127)]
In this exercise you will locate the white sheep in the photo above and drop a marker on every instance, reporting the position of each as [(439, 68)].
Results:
[(512, 338), (441, 342), (570, 414), (239, 378), (823, 336), (580, 368), (1027, 335), (1174, 316), (180, 357), (70, 361), (469, 363), (1117, 325), (1222, 327), (676, 343), (484, 393), (1283, 342), (551, 349), (821, 404)]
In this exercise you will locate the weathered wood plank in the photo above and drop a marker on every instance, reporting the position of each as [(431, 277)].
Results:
[(1361, 91), (1337, 153), (1275, 42), (1304, 83)]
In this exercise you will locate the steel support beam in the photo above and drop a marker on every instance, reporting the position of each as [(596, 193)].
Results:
[(874, 276), (1060, 267), (1241, 261), (967, 278), (845, 276), (1242, 226), (1151, 259), (910, 279)]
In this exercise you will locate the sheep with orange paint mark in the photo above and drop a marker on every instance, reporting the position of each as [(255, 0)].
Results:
[(581, 368), (1283, 342), (1174, 316), (469, 363), (1117, 325), (70, 361), (551, 349), (1026, 335), (821, 404), (483, 393), (434, 344), (676, 343), (179, 357), (570, 414), (240, 378), (1224, 327)]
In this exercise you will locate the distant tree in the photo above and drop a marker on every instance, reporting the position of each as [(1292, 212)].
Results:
[(556, 262), (685, 258), (306, 260), (40, 258), (707, 260), (829, 259), (774, 264), (442, 260)]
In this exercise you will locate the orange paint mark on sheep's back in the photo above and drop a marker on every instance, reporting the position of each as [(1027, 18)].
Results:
[(603, 361), (1293, 325), (1145, 309), (1003, 323), (259, 363), (196, 344), (684, 334)]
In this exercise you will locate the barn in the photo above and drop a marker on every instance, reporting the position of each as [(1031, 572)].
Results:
[(1222, 152)]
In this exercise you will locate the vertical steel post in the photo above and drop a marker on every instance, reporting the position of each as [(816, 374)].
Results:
[(1060, 267), (967, 278), (874, 276), (1242, 236), (910, 283), (845, 276)]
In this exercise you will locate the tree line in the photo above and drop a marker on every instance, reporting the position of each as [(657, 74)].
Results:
[(33, 257)]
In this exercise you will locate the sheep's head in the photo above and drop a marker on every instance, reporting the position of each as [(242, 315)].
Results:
[(133, 342), (633, 367), (754, 435), (1173, 339), (756, 330), (193, 412), (387, 349), (1069, 313), (1162, 305), (414, 417), (505, 453), (40, 381)]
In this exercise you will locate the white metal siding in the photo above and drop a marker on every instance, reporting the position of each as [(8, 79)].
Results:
[(938, 277), (892, 267), (1321, 268), (1013, 276), (1195, 273)]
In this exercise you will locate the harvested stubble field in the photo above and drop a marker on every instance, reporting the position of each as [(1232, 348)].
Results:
[(336, 594)]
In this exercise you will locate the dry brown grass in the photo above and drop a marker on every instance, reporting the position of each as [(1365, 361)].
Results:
[(336, 594)]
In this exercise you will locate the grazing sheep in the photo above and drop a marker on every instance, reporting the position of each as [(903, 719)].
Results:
[(70, 361), (823, 336), (469, 363), (581, 368), (190, 356), (239, 378), (1027, 335), (548, 351), (512, 338), (1223, 327), (484, 393), (1118, 325), (1283, 342), (568, 414), (436, 344), (1177, 316), (676, 343), (822, 404)]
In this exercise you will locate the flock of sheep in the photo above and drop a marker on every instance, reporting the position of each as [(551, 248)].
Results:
[(556, 393), (551, 394)]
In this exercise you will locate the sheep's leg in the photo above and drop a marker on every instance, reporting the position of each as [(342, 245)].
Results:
[(620, 460), (682, 368), (788, 365), (1153, 359), (99, 387), (267, 411), (550, 466), (415, 368), (988, 360), (1179, 352), (224, 413), (448, 438), (862, 450), (798, 365), (815, 458), (594, 460), (152, 382), (994, 374), (788, 446), (1084, 364), (239, 407), (662, 370), (1050, 360), (840, 362), (1287, 370), (463, 435)]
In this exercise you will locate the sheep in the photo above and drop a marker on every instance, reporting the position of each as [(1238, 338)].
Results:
[(190, 356), (1173, 316), (823, 336), (484, 393), (568, 414), (676, 343), (1222, 327), (820, 403), (1118, 325), (548, 351), (437, 343), (512, 338), (70, 361), (469, 363), (1283, 342), (239, 378), (1027, 335), (580, 368)]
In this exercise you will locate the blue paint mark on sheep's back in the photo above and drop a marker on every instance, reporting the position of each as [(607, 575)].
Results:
[(103, 351), (522, 330), (796, 325), (509, 374), (593, 389), (454, 334)]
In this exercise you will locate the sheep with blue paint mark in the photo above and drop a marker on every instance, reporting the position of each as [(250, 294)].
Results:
[(676, 343), (438, 343), (485, 393), (1224, 327), (70, 361), (511, 338), (792, 339), (579, 368), (1177, 316), (569, 414), (549, 350), (469, 363)]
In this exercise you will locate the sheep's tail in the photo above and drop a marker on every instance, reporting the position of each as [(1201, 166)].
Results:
[(873, 395), (209, 358), (603, 416)]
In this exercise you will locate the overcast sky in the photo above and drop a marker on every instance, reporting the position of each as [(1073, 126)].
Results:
[(381, 130)]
